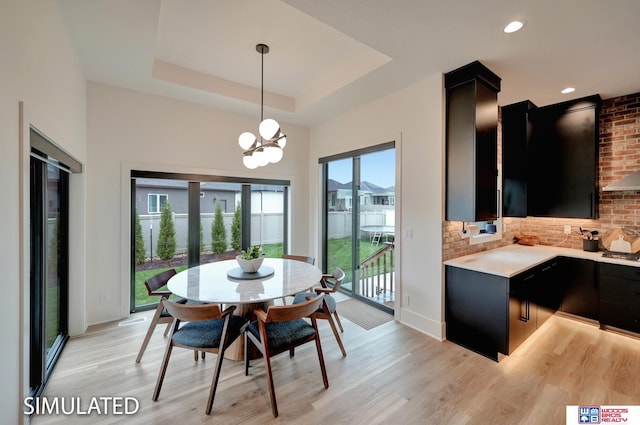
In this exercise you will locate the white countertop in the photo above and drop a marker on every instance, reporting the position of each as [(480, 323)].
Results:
[(511, 260)]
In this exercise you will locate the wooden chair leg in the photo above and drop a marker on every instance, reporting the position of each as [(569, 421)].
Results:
[(321, 359), (166, 330), (214, 380), (335, 314), (152, 327), (337, 335), (195, 355), (163, 370), (272, 392), (246, 353)]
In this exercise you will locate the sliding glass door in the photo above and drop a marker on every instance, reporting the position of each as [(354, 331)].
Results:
[(180, 221), (49, 208), (359, 221)]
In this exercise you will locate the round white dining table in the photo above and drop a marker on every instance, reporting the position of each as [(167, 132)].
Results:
[(211, 283)]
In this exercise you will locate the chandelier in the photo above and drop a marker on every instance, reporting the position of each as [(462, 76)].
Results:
[(272, 139)]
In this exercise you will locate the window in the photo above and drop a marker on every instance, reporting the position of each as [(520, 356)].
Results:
[(260, 206), (156, 202), (49, 194)]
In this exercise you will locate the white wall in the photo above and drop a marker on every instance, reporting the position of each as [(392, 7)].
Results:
[(131, 130), (413, 117), (38, 68)]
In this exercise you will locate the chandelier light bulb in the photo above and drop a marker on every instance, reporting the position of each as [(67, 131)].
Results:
[(273, 153), (269, 129), (261, 157), (249, 162), (246, 140)]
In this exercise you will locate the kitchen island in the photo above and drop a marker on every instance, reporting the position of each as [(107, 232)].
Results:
[(496, 299)]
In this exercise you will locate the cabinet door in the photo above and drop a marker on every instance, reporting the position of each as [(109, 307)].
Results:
[(581, 294), (620, 296), (515, 139), (564, 156), (476, 311), (522, 310), (549, 290)]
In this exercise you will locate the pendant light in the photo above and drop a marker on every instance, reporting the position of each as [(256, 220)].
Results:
[(272, 139)]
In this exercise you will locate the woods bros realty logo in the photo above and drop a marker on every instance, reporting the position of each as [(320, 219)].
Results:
[(77, 406), (603, 414)]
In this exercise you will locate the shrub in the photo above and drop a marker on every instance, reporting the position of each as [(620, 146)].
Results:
[(218, 232), (201, 239), (167, 236), (236, 229), (140, 254)]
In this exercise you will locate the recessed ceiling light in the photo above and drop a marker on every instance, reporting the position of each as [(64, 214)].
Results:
[(513, 26), (567, 90)]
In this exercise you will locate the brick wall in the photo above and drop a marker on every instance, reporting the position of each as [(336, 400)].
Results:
[(619, 157)]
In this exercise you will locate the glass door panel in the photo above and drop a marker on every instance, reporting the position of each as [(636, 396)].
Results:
[(221, 221), (339, 198), (53, 238), (377, 226), (267, 219)]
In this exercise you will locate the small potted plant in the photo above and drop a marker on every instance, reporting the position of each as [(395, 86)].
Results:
[(251, 259)]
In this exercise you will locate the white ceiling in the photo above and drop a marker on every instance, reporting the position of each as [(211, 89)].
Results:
[(331, 55)]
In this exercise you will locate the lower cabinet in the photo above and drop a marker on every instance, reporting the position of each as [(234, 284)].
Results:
[(581, 295), (620, 296), (523, 312), (476, 311), (493, 315)]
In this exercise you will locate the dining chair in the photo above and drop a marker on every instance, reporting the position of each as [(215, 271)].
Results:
[(280, 329), (208, 330), (304, 258), (153, 285), (329, 309)]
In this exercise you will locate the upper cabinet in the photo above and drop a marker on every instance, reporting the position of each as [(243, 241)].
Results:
[(550, 158), (471, 147), (516, 132)]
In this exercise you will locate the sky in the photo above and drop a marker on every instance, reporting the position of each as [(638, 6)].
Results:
[(377, 168)]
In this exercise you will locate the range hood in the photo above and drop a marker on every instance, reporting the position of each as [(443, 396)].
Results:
[(631, 182)]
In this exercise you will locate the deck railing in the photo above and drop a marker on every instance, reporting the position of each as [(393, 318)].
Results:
[(377, 273)]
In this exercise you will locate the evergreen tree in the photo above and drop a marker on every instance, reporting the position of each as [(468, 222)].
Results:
[(167, 237), (218, 232), (236, 229), (140, 254), (201, 239)]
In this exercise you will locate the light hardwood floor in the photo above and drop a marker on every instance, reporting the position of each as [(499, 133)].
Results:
[(391, 375)]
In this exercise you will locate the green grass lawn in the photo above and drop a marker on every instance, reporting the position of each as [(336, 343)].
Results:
[(339, 256)]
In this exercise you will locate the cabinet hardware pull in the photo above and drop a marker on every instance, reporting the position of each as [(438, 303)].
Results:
[(547, 268), (528, 277)]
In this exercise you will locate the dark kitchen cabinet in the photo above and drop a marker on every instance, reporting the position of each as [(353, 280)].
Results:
[(523, 311), (563, 156), (477, 310), (581, 295), (620, 296), (549, 159), (471, 143), (549, 289), (516, 132), (492, 314)]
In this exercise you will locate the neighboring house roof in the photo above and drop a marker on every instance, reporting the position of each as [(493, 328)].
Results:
[(218, 186), (365, 187)]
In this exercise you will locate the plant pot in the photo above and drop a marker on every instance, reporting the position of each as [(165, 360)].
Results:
[(249, 266), (490, 228), (590, 245)]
